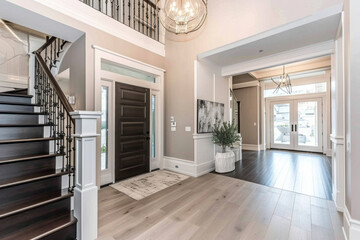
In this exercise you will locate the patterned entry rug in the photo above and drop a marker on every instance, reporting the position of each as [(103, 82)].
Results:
[(142, 186)]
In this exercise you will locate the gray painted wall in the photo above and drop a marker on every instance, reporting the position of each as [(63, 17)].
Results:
[(249, 114), (75, 60), (225, 18), (243, 78)]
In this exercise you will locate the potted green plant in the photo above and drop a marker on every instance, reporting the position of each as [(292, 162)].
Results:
[(225, 135)]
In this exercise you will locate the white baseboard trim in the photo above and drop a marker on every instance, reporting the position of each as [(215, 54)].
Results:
[(351, 227), (251, 147), (188, 167), (205, 168)]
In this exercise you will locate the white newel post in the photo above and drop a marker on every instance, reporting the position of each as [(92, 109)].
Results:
[(86, 191)]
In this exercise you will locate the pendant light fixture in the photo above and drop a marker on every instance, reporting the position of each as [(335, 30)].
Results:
[(284, 83), (182, 16)]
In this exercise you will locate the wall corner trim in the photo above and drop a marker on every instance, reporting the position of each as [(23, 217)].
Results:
[(188, 167), (352, 226)]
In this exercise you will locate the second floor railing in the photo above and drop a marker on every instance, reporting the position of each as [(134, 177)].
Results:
[(140, 15)]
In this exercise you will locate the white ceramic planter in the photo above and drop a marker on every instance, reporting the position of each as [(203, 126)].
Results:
[(236, 151), (225, 162)]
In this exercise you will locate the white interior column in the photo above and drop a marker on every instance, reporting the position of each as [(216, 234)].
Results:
[(86, 191)]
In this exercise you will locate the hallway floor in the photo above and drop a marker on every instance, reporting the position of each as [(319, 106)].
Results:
[(217, 207), (301, 172)]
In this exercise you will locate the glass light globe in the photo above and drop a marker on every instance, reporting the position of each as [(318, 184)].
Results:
[(182, 16)]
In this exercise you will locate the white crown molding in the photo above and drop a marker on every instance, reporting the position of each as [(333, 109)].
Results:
[(86, 14), (246, 84), (127, 58)]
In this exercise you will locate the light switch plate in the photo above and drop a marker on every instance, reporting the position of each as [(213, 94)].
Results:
[(173, 124), (187, 129), (172, 119), (173, 129)]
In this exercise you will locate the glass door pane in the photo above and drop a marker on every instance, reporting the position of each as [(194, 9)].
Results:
[(153, 127), (104, 127), (307, 127), (282, 127)]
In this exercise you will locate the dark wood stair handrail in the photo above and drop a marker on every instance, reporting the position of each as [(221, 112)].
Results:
[(68, 108)]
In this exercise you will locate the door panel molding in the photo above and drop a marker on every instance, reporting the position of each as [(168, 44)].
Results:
[(130, 129)]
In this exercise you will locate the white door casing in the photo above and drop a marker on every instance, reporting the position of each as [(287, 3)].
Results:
[(292, 123), (109, 79)]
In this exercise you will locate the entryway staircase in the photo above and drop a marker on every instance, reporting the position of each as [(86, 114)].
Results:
[(37, 158)]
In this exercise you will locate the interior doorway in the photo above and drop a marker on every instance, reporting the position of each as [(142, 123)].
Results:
[(297, 125)]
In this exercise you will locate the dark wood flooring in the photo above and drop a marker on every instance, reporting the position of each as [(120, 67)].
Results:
[(301, 172)]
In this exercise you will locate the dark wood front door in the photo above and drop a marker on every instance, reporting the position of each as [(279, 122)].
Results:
[(132, 110)]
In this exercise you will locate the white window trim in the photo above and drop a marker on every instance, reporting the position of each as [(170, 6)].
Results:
[(156, 88)]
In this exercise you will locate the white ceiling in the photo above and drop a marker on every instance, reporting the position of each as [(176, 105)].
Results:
[(317, 28), (21, 16)]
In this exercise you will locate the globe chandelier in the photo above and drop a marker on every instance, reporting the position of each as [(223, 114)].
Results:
[(182, 16), (284, 83)]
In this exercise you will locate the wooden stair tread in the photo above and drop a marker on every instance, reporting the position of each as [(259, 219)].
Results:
[(34, 201), (22, 104), (42, 229), (21, 112), (27, 157), (26, 140), (15, 95), (31, 178)]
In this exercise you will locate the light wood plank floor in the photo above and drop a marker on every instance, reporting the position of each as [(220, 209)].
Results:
[(217, 207)]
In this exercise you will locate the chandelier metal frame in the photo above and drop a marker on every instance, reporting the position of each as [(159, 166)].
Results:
[(180, 26), (284, 83)]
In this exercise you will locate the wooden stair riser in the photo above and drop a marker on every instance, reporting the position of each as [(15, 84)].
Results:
[(18, 169), (11, 107), (43, 213), (68, 233), (20, 149), (22, 193), (18, 119), (22, 91), (20, 132), (15, 99)]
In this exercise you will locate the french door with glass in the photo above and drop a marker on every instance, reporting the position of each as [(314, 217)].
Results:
[(297, 125)]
